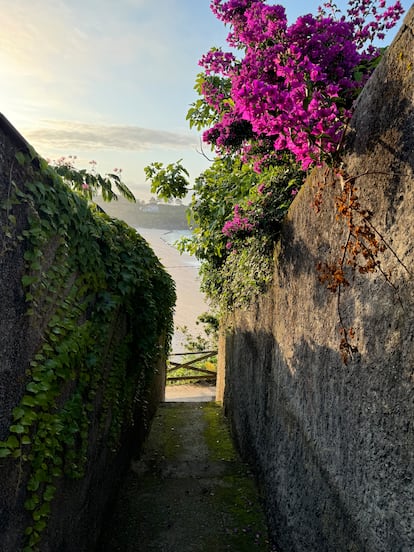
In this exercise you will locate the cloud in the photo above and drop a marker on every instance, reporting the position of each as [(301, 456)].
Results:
[(37, 37), (71, 51), (66, 136)]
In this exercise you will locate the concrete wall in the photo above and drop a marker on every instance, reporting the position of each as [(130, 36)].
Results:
[(333, 443)]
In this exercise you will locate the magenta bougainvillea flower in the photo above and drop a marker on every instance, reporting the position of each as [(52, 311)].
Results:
[(294, 86)]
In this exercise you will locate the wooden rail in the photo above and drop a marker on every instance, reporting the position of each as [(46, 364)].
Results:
[(202, 373)]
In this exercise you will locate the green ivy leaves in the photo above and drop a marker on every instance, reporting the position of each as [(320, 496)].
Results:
[(83, 271)]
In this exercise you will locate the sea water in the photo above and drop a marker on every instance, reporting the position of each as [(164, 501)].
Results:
[(173, 236)]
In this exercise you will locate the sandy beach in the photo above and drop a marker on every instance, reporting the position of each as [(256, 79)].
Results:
[(184, 270)]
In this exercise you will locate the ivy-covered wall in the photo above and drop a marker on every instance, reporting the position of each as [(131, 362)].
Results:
[(86, 320), (325, 417)]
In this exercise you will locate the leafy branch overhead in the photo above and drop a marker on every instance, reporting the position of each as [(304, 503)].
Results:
[(89, 183), (168, 182)]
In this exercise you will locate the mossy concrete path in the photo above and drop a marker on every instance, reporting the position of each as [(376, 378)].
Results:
[(189, 492)]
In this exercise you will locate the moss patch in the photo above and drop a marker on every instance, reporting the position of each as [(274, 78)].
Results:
[(217, 435), (165, 441), (236, 495)]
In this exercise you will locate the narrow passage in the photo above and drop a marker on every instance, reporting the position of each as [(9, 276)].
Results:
[(188, 492)]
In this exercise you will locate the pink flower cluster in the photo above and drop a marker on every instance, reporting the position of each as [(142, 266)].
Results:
[(238, 225), (383, 18), (294, 87)]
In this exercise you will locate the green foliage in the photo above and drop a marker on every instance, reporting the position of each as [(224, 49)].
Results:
[(236, 268), (233, 276), (195, 343), (245, 274), (367, 66), (100, 299), (233, 272), (201, 114), (90, 183), (216, 191), (205, 341), (169, 182), (211, 326)]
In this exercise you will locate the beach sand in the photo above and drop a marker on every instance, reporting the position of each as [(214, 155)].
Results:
[(183, 268)]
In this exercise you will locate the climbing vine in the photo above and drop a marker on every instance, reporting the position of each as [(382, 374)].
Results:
[(98, 300), (360, 251)]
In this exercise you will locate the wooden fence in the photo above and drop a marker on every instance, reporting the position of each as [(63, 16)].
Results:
[(199, 373)]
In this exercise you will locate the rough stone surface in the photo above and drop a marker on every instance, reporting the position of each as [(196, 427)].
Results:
[(17, 344), (333, 444)]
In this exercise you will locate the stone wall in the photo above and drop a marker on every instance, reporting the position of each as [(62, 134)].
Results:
[(333, 443), (113, 389)]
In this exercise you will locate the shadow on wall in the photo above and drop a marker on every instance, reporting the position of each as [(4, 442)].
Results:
[(332, 444)]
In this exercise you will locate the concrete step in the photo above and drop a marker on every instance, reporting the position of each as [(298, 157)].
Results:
[(190, 393)]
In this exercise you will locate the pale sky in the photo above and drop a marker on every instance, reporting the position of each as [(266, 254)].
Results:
[(110, 80)]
